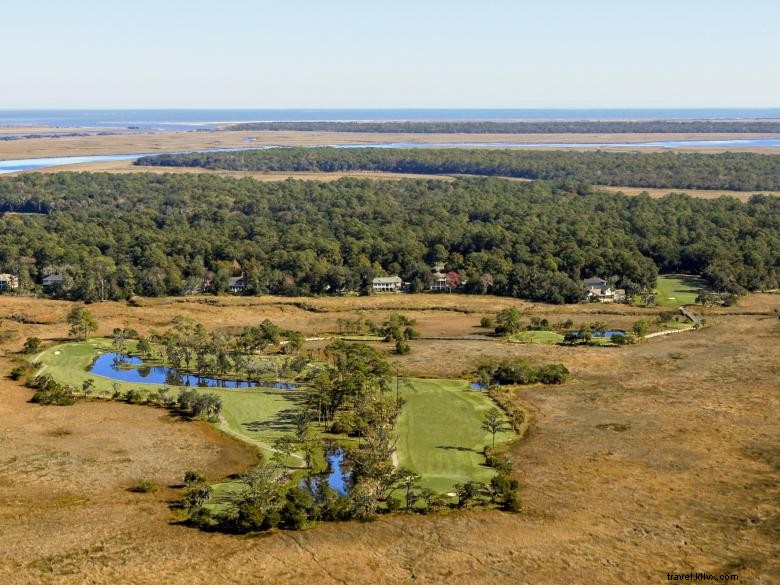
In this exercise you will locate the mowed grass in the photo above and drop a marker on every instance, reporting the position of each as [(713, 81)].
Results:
[(440, 434), (68, 363), (260, 415), (536, 337), (675, 290)]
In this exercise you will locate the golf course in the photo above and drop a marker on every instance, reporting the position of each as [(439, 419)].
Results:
[(439, 430)]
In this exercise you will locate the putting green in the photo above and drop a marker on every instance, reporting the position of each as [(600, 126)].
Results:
[(440, 434)]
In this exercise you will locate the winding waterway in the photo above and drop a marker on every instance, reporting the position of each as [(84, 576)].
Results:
[(31, 164)]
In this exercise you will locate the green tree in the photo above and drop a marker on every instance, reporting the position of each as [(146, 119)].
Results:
[(81, 322), (509, 321), (31, 345), (640, 328), (494, 422), (88, 386), (408, 480)]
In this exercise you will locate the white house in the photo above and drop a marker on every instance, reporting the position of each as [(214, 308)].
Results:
[(387, 284), (438, 279), (599, 290)]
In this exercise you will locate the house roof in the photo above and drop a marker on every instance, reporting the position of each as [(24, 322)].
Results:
[(53, 278), (594, 281), (236, 281), (387, 280)]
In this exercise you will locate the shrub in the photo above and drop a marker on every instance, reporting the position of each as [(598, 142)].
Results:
[(618, 339), (134, 396), (486, 322), (143, 486), (49, 391), (18, 372), (505, 490), (553, 374), (32, 345), (192, 477), (402, 348)]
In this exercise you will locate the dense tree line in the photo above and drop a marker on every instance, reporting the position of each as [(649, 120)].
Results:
[(112, 236), (736, 171), (525, 127)]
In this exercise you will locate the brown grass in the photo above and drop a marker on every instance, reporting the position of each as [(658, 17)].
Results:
[(154, 142), (702, 193), (656, 458)]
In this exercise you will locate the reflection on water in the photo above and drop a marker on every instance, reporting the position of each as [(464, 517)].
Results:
[(132, 369), (336, 477)]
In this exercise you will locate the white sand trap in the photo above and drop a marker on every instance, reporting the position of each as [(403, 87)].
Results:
[(58, 352), (451, 494)]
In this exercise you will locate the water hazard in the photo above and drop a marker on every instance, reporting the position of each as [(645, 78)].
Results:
[(133, 370)]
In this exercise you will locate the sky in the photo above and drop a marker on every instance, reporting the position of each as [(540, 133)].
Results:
[(389, 53)]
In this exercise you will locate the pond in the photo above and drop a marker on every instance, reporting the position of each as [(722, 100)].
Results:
[(336, 477), (132, 369), (605, 334), (608, 334)]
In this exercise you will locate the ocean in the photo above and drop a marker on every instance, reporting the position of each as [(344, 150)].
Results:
[(205, 119)]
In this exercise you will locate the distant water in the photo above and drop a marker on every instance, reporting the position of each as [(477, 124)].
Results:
[(200, 119), (32, 164)]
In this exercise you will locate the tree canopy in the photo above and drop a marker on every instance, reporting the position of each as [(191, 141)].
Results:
[(114, 235), (523, 127), (677, 170)]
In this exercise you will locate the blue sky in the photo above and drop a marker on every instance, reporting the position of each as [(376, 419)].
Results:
[(381, 53)]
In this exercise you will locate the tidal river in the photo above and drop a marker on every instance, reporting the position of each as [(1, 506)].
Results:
[(31, 164)]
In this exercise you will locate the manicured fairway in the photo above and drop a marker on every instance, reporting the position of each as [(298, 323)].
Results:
[(260, 415), (674, 290), (440, 434)]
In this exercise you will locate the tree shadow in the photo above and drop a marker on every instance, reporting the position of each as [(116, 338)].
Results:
[(283, 421), (456, 448)]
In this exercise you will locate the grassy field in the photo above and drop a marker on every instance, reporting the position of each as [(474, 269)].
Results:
[(536, 337), (440, 434), (675, 290)]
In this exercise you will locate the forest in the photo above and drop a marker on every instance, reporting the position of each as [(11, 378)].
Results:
[(525, 127), (115, 235), (733, 171)]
